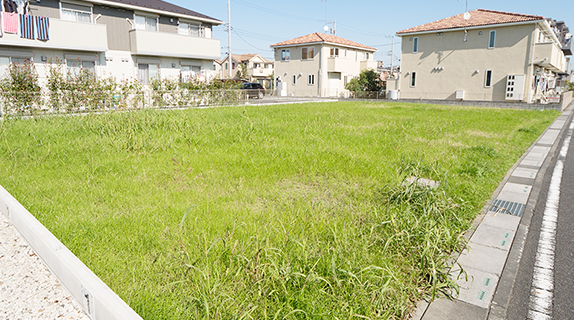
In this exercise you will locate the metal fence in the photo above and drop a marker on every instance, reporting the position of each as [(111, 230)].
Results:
[(43, 102)]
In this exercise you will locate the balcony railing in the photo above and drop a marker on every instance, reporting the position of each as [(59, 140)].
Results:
[(173, 45), (550, 56)]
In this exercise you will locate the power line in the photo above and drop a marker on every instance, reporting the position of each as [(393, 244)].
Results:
[(279, 13), (383, 45), (246, 41)]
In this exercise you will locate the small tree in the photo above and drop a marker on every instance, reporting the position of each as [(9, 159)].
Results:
[(569, 86), (242, 73), (20, 88), (367, 81)]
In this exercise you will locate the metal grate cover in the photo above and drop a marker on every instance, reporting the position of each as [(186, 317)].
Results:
[(507, 207)]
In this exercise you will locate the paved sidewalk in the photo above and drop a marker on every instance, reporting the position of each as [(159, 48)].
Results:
[(496, 241)]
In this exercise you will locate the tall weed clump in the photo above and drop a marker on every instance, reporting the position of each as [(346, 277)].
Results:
[(423, 221), (20, 89)]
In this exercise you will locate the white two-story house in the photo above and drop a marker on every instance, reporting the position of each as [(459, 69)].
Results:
[(319, 64), (141, 39)]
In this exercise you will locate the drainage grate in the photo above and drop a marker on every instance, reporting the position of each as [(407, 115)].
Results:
[(507, 207)]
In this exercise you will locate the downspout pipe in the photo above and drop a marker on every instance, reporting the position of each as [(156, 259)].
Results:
[(531, 82)]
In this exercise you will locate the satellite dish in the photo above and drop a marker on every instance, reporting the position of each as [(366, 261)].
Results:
[(466, 16), (326, 28)]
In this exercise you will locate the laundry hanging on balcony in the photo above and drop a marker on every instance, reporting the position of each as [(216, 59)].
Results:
[(42, 28), (10, 6), (27, 27), (10, 22)]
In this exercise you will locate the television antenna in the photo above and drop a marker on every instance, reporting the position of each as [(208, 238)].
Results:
[(326, 28)]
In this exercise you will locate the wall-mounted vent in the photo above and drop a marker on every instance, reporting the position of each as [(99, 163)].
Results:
[(459, 94)]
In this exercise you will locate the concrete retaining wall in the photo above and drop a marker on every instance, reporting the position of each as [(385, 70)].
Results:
[(98, 301), (565, 99)]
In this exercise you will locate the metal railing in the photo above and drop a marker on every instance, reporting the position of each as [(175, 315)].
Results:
[(35, 103)]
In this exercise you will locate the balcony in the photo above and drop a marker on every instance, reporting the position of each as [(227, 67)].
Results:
[(548, 55), (164, 44), (261, 72), (336, 64), (370, 64), (68, 35), (567, 48)]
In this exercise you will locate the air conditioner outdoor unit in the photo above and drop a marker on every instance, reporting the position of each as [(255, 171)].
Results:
[(460, 94)]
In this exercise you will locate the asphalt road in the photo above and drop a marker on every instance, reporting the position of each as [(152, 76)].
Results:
[(561, 301)]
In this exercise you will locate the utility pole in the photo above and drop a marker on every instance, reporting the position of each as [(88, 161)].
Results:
[(392, 52), (229, 63)]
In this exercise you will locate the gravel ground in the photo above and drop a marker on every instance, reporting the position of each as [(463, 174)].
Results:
[(28, 290)]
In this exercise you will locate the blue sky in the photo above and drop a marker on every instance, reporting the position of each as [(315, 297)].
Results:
[(257, 24)]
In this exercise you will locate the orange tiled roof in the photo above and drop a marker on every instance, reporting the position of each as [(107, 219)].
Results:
[(479, 17), (321, 37)]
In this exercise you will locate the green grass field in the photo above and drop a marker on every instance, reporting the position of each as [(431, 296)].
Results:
[(275, 212)]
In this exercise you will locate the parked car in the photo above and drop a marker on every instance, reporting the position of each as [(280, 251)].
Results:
[(254, 89)]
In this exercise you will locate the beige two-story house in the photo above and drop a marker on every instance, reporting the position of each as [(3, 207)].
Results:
[(319, 64), (143, 39), (258, 68), (482, 55)]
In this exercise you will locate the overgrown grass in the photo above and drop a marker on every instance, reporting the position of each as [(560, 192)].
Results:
[(282, 212)]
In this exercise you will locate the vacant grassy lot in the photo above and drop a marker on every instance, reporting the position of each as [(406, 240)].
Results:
[(278, 212)]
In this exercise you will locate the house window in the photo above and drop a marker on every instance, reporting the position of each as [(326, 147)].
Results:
[(6, 61), (415, 45), (146, 23), (233, 65), (189, 29), (226, 66), (257, 65), (294, 79), (413, 79), (308, 53), (334, 52), (74, 12), (75, 66), (345, 80), (147, 72), (491, 39), (311, 79), (285, 54), (488, 79), (267, 65)]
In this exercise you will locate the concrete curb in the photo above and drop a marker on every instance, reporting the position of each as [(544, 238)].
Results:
[(500, 301), (499, 304), (98, 301)]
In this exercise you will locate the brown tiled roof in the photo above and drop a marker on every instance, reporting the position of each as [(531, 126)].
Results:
[(163, 6), (479, 17), (321, 37), (246, 57)]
